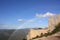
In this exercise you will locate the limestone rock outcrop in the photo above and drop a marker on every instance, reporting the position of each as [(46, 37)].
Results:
[(53, 21)]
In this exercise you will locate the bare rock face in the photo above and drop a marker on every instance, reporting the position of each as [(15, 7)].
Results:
[(53, 21), (33, 33)]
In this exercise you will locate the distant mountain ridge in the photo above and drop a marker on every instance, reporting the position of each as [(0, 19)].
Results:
[(5, 34)]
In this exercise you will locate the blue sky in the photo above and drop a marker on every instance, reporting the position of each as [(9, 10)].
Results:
[(18, 13)]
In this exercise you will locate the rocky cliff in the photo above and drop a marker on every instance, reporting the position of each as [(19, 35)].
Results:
[(53, 21)]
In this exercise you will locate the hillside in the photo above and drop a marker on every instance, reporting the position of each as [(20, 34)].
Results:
[(5, 33)]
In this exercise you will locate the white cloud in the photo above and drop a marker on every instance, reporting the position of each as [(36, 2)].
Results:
[(30, 21), (25, 21), (20, 20), (38, 15), (48, 14)]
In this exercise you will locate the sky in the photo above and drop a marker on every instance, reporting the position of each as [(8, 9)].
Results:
[(27, 13)]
